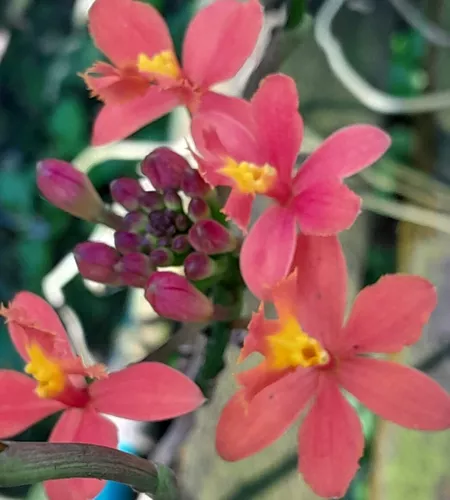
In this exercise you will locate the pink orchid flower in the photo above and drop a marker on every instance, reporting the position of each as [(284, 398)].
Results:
[(253, 149), (311, 354), (145, 80), (145, 391)]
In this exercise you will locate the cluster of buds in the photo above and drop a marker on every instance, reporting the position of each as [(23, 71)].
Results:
[(171, 225)]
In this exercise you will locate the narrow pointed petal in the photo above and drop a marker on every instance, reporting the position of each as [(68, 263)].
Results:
[(344, 153), (326, 208), (31, 319), (245, 428), (147, 392), (220, 39), (258, 378), (389, 315), (115, 122), (123, 29), (279, 125), (20, 407), (258, 328), (267, 251), (80, 426), (398, 393), (239, 208), (331, 443), (321, 287)]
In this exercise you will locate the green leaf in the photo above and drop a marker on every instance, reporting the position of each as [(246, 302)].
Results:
[(296, 11)]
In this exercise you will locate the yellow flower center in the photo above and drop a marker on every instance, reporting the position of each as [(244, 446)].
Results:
[(164, 63), (49, 375), (248, 177), (291, 347)]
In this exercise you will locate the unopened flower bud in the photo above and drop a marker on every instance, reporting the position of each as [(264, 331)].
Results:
[(172, 200), (96, 262), (164, 168), (161, 223), (134, 269), (164, 242), (198, 209), (193, 184), (173, 297), (182, 223), (126, 191), (126, 242), (210, 237), (198, 266), (135, 222), (150, 201), (68, 189), (180, 244), (161, 257)]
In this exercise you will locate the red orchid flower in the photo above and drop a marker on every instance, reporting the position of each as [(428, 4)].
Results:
[(311, 354), (145, 391), (145, 80), (253, 149)]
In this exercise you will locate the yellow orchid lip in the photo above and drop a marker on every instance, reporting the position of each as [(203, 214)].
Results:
[(48, 373), (163, 63), (249, 178)]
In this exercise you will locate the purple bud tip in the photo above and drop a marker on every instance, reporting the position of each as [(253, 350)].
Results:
[(198, 209), (150, 201), (134, 269), (182, 223), (173, 297), (180, 244), (161, 257), (161, 223), (210, 237), (198, 266), (96, 262), (135, 222), (193, 184), (164, 168), (164, 242), (126, 192), (172, 200), (68, 189), (126, 242)]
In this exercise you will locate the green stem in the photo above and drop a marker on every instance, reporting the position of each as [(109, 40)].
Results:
[(28, 463)]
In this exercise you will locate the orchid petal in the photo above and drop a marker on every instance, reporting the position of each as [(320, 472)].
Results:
[(398, 393), (123, 29), (267, 251), (80, 426), (245, 427), (117, 121), (258, 378), (219, 40), (20, 406), (321, 287), (279, 125), (344, 153), (146, 392), (258, 329), (239, 208), (326, 208), (389, 315), (331, 443)]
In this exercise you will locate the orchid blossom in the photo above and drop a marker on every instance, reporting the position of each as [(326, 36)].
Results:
[(253, 149), (311, 354), (145, 391), (145, 80)]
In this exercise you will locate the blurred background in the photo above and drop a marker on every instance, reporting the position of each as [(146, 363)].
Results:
[(376, 61)]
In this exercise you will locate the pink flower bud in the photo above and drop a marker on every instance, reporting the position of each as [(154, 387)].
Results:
[(198, 209), (198, 266), (193, 184), (173, 297), (126, 242), (134, 269), (126, 191), (150, 201), (135, 222), (210, 237), (180, 244), (164, 168), (68, 189), (161, 257), (172, 200), (96, 262)]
